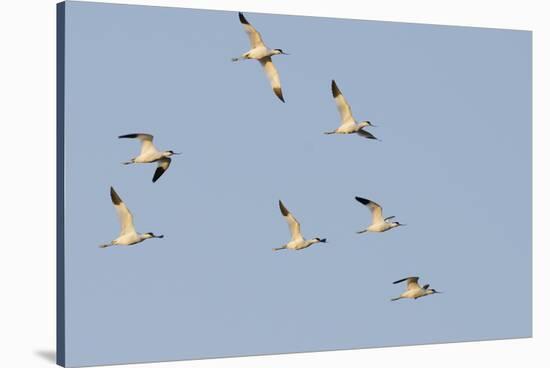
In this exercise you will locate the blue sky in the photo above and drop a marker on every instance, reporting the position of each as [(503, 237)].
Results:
[(453, 109)]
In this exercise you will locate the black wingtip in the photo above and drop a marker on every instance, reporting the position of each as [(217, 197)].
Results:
[(114, 197), (368, 135), (405, 279), (158, 173), (279, 93), (362, 200), (283, 209), (242, 18), (133, 135), (335, 89)]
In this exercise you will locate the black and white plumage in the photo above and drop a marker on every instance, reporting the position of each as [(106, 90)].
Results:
[(128, 234), (348, 124), (259, 51), (414, 290), (297, 241), (150, 154), (378, 224)]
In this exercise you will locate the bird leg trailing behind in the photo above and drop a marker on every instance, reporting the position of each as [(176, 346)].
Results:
[(283, 247), (394, 299)]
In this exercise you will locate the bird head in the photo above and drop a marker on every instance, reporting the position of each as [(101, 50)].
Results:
[(397, 224), (151, 235), (279, 52), (319, 240), (366, 123), (171, 153)]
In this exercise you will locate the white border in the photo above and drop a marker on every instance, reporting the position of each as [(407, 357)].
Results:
[(27, 117)]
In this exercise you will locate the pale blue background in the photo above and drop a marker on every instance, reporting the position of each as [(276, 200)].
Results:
[(453, 107)]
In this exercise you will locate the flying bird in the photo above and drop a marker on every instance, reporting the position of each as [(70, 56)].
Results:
[(348, 124), (259, 51), (128, 234), (297, 241), (414, 290), (150, 154), (379, 224)]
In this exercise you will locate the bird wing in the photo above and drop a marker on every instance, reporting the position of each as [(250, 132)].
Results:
[(124, 214), (273, 76), (363, 133), (253, 35), (343, 106), (293, 224), (163, 165), (374, 207), (145, 139), (412, 282)]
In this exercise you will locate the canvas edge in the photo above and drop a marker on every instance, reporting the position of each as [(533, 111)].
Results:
[(60, 183)]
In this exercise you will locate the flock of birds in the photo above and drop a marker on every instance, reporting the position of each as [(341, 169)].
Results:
[(348, 125)]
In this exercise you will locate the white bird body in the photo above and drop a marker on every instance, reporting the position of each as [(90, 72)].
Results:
[(416, 293), (149, 157), (130, 239), (348, 124), (149, 154), (297, 241), (259, 51), (379, 224), (381, 227), (299, 244), (128, 234), (350, 127), (414, 290)]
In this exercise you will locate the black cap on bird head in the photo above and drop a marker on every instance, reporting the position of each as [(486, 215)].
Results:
[(155, 236), (281, 51)]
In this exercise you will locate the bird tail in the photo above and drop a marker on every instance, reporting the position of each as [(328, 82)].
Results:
[(394, 299), (283, 247)]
